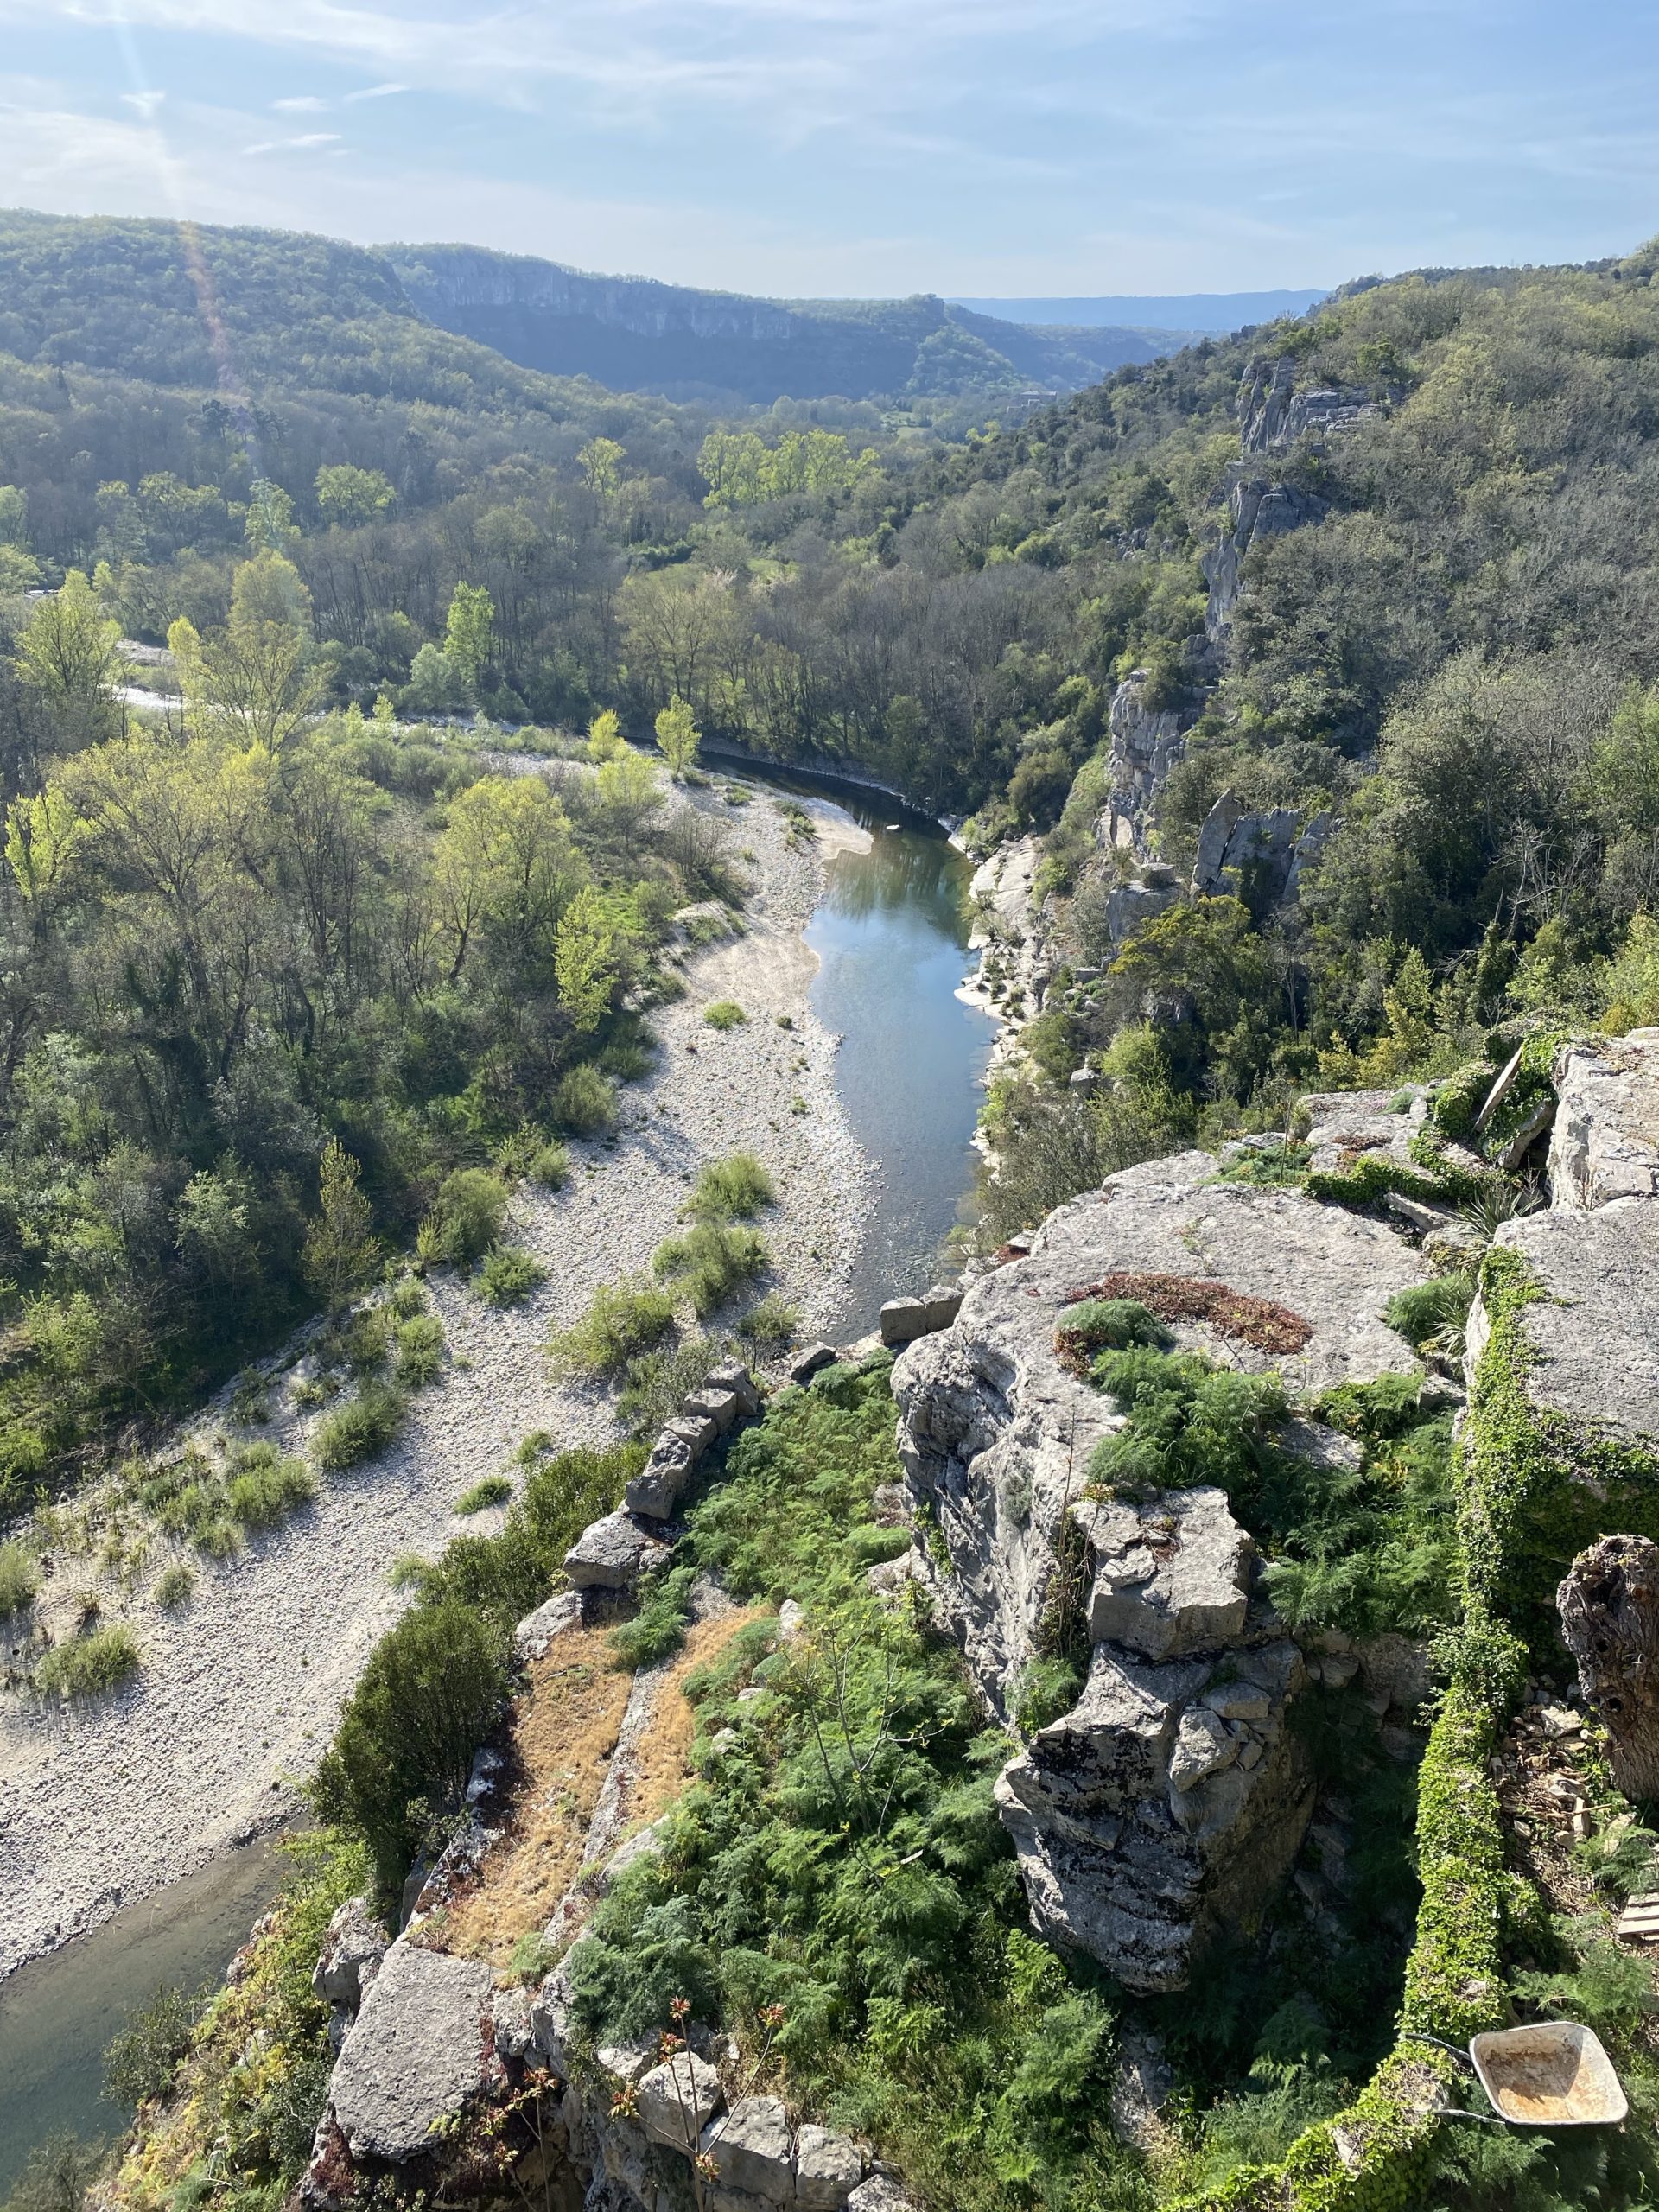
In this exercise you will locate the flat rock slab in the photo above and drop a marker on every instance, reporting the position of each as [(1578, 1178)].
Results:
[(678, 2099), (1605, 1142), (828, 2168), (1171, 1575), (752, 2150), (416, 2054), (1595, 1333)]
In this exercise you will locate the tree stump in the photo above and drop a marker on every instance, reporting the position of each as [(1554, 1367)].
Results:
[(1609, 1605)]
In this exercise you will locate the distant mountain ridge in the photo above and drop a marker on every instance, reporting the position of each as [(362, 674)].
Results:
[(636, 334), (1180, 314)]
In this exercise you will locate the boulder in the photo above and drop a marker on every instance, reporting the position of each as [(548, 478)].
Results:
[(352, 1952), (880, 2193), (828, 2168), (752, 2150), (732, 1376), (1171, 1575), (678, 2099), (537, 1630), (654, 1491), (416, 2054), (902, 1321), (712, 1404), (942, 1304), (805, 1364), (1606, 1142), (1145, 1823), (1393, 1670), (613, 1554)]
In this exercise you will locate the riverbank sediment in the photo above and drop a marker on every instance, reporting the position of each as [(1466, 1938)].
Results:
[(102, 1804)]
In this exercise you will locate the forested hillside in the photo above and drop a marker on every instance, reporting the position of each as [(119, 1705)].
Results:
[(635, 335)]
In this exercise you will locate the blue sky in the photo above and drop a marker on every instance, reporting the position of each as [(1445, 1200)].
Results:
[(860, 147)]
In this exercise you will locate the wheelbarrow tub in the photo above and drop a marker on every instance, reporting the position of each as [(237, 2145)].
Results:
[(1554, 2074)]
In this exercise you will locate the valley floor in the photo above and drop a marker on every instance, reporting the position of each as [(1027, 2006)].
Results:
[(103, 1805)]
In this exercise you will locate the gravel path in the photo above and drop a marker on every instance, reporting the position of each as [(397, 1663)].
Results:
[(103, 1805)]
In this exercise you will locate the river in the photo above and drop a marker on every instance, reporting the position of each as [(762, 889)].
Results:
[(890, 934)]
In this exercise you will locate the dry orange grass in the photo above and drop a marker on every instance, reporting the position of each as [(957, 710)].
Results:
[(564, 1732)]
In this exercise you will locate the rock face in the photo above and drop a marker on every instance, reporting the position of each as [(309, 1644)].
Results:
[(1145, 744), (1273, 416), (1606, 1142), (351, 1955), (1172, 1796), (613, 1554), (1257, 509), (1258, 857), (416, 2054)]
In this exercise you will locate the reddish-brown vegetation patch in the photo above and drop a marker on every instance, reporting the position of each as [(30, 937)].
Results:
[(1259, 1321)]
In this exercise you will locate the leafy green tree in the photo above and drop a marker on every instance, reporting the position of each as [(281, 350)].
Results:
[(257, 681), (469, 633), (69, 652), (589, 955), (600, 461), (271, 525), (350, 495), (604, 740), (678, 736), (339, 1247)]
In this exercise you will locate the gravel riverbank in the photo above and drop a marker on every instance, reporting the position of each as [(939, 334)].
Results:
[(104, 1804)]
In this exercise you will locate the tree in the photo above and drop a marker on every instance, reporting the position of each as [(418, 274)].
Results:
[(600, 461), (339, 1250), (351, 496), (71, 653), (629, 795), (605, 736), (270, 526), (434, 685), (588, 956), (468, 633), (504, 867), (678, 736)]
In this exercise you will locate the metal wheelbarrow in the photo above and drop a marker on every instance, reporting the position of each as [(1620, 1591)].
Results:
[(1554, 2074)]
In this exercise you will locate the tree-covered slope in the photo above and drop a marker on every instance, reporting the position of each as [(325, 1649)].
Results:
[(635, 335)]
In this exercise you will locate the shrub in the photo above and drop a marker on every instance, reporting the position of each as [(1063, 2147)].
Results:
[(624, 1318), (657, 1630), (467, 1214), (174, 1585), (367, 1340), (508, 1275), (734, 1189), (770, 1324), (264, 1488), (658, 1380), (709, 1264), (491, 1489), (551, 1168), (1043, 1690), (724, 1013), (142, 2060), (18, 1579), (87, 1665), (365, 1425), (427, 1697), (1431, 1315), (584, 1103), (420, 1350), (406, 1297)]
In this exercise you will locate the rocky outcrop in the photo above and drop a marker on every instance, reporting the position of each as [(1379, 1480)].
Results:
[(1606, 1142), (903, 1319), (1273, 416), (1145, 743), (613, 1553), (1256, 510), (727, 1396), (1172, 1796), (1591, 1339), (417, 2056)]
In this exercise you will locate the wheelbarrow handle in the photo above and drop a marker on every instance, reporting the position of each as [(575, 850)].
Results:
[(1461, 2112), (1416, 2034)]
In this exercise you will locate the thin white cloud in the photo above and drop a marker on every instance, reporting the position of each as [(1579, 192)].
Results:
[(373, 93), (301, 104), (303, 142)]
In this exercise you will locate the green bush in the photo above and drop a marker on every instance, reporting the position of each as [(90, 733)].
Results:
[(550, 1166), (367, 1340), (406, 1297), (467, 1214), (262, 1488), (361, 1428), (508, 1275), (1431, 1315), (709, 1264), (19, 1579), (431, 1694), (734, 1189), (89, 1664), (658, 1380), (624, 1318), (143, 2060), (490, 1490), (584, 1103), (174, 1586), (419, 1351), (724, 1013), (770, 1323), (657, 1630)]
